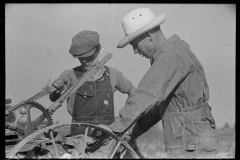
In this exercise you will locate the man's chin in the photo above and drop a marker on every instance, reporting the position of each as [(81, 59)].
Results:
[(146, 57)]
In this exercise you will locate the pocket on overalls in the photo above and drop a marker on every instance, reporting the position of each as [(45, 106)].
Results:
[(173, 133), (105, 102), (84, 102), (204, 129), (177, 124)]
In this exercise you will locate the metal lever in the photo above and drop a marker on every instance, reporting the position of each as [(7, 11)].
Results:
[(48, 82)]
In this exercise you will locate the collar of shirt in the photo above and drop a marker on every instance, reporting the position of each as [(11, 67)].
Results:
[(98, 74), (172, 39)]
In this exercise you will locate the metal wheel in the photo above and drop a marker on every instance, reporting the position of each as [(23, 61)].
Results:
[(32, 105), (28, 107), (116, 141)]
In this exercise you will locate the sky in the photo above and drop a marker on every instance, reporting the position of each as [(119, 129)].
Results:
[(38, 38)]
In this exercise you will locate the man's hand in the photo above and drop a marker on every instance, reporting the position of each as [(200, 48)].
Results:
[(126, 137), (59, 84)]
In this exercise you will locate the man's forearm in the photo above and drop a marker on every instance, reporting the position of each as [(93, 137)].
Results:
[(135, 105), (131, 91)]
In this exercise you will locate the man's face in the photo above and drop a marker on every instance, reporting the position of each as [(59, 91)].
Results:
[(143, 46), (86, 62)]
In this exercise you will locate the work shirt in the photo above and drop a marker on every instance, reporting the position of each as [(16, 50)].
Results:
[(175, 81), (166, 71), (117, 79)]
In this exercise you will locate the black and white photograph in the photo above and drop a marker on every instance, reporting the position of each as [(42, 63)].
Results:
[(120, 80)]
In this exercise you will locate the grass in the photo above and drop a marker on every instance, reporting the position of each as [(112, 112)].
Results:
[(151, 143), (152, 146)]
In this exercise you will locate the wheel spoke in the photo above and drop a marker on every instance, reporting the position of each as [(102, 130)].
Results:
[(29, 122), (84, 142), (115, 149), (54, 145)]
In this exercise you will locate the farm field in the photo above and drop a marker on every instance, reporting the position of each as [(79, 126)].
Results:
[(151, 143)]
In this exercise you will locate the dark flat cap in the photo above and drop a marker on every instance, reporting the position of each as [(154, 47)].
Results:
[(84, 44)]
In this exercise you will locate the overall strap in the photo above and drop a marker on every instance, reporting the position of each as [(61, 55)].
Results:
[(107, 69), (78, 71), (107, 75)]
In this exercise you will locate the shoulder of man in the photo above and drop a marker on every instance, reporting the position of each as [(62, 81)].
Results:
[(107, 69), (118, 80), (78, 69), (180, 52), (69, 75), (113, 72), (68, 72)]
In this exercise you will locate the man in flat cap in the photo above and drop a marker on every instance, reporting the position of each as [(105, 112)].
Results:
[(174, 90), (93, 102)]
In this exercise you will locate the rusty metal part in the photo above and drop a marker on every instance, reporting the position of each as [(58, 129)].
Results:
[(44, 112), (23, 130), (13, 152)]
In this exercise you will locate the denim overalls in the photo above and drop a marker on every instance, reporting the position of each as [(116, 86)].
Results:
[(93, 102), (190, 131)]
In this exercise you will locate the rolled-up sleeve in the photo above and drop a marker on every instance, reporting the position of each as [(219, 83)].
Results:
[(64, 75), (70, 78), (154, 87)]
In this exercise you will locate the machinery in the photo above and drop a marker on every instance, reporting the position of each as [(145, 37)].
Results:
[(35, 140)]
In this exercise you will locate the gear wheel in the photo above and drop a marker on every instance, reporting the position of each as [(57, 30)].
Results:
[(40, 107), (33, 104)]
